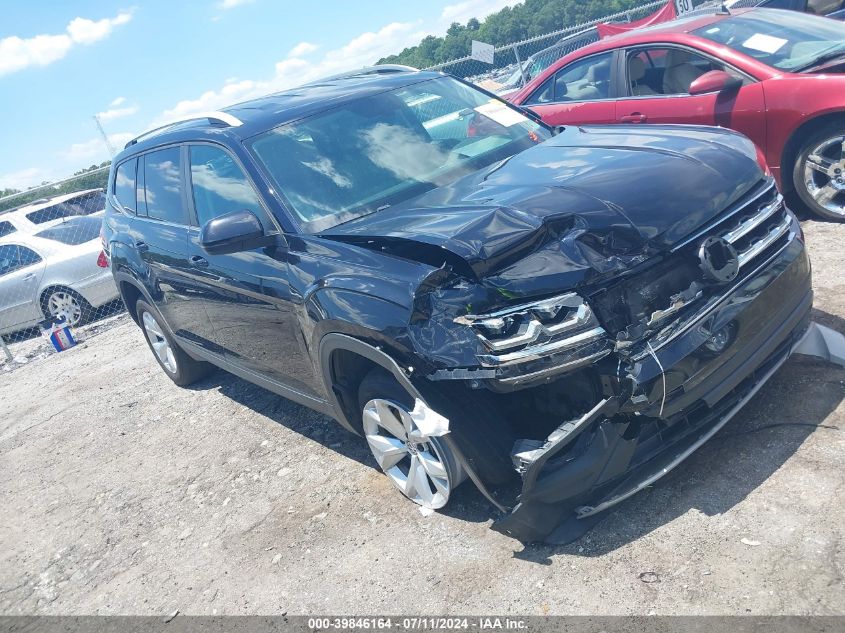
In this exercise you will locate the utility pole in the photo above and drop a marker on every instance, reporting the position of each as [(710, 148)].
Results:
[(105, 138)]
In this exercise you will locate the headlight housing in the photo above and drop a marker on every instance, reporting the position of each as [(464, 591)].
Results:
[(552, 335)]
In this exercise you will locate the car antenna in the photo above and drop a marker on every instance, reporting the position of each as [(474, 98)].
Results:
[(723, 9)]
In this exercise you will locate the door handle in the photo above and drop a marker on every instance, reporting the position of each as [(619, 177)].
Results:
[(28, 277), (636, 117), (142, 246), (199, 262)]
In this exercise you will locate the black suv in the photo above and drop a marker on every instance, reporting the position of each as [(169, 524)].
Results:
[(561, 316)]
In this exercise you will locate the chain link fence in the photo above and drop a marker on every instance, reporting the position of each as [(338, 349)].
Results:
[(53, 272), (517, 63)]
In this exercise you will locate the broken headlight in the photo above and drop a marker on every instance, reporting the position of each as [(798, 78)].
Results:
[(563, 327)]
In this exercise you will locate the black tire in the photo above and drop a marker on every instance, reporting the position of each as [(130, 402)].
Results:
[(86, 310), (483, 436), (187, 370), (801, 188)]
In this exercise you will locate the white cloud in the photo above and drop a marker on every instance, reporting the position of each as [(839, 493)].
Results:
[(302, 49), (480, 9), (24, 178), (231, 4), (94, 149), (17, 53), (116, 113), (118, 102), (84, 31), (361, 51)]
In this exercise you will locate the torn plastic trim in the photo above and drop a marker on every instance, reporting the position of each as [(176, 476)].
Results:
[(823, 343), (582, 512), (530, 457), (428, 421)]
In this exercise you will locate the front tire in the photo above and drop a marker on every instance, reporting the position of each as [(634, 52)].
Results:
[(422, 468), (179, 367), (819, 173)]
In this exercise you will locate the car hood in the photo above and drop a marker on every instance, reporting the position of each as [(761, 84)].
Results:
[(591, 200)]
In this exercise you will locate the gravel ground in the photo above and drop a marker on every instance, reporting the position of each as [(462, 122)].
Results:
[(124, 494)]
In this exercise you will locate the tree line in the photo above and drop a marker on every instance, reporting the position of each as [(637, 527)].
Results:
[(511, 24)]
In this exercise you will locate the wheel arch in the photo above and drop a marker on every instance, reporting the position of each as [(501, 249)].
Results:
[(344, 361), (130, 291), (793, 144)]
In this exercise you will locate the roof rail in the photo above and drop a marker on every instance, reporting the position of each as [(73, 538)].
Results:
[(213, 117)]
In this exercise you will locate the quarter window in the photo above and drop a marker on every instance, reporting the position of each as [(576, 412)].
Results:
[(124, 184), (220, 186), (584, 80), (163, 185)]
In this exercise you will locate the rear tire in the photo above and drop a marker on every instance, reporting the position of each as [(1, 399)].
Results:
[(179, 367), (819, 173)]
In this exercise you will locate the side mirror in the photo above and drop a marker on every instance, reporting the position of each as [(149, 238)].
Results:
[(714, 81), (232, 233)]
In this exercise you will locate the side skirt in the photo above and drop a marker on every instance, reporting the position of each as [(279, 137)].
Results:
[(318, 404)]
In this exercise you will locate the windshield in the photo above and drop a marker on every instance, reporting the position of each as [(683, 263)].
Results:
[(367, 154), (787, 40), (73, 231)]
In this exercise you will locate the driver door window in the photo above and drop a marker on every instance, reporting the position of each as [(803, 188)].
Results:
[(220, 186), (666, 71), (584, 80)]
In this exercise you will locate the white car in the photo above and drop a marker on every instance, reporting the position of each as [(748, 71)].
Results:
[(40, 214), (61, 270)]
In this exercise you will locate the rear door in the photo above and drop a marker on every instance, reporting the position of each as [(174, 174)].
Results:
[(21, 270), (246, 295), (656, 85), (160, 233), (581, 92)]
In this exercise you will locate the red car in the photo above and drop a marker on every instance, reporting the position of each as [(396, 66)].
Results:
[(776, 76)]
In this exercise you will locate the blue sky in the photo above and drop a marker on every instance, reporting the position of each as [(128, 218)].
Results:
[(149, 61)]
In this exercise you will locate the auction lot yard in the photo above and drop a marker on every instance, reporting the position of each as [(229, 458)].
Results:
[(121, 493)]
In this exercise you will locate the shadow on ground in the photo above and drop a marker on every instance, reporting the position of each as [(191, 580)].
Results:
[(744, 454)]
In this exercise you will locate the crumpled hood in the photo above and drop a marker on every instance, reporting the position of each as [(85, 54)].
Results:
[(589, 200)]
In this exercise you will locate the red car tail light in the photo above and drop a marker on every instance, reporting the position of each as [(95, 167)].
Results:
[(102, 260)]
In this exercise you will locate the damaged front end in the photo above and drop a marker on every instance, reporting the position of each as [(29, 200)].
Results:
[(611, 385)]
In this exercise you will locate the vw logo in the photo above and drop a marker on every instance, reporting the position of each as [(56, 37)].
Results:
[(719, 260)]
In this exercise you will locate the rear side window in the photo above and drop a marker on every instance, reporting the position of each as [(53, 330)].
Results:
[(73, 231), (163, 185), (14, 257), (6, 228), (124, 184)]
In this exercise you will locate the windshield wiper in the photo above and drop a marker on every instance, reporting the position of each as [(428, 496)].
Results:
[(822, 59)]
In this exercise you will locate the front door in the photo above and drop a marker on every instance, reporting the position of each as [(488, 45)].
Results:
[(657, 86), (246, 294)]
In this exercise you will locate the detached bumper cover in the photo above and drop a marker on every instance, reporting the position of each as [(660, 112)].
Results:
[(683, 393)]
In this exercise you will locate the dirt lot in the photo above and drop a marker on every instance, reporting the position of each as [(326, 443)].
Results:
[(124, 494)]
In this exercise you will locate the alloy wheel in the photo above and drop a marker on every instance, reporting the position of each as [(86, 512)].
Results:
[(414, 462), (63, 303), (159, 343), (824, 175)]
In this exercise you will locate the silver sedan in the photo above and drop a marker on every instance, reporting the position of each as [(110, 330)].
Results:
[(59, 271)]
